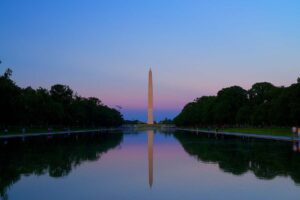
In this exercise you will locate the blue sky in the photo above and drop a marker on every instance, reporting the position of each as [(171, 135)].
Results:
[(105, 48)]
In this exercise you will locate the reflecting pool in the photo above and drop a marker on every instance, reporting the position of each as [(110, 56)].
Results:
[(148, 164)]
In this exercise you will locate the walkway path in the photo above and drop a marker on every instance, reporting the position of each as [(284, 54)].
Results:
[(55, 133), (270, 137)]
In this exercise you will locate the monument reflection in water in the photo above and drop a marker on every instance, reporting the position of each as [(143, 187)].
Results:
[(150, 136), (119, 165)]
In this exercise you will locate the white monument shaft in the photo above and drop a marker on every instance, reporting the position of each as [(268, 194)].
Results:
[(150, 99)]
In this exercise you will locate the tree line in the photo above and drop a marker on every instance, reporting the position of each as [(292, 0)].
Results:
[(262, 105), (57, 107)]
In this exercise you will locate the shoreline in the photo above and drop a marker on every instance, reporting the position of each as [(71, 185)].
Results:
[(27, 135), (235, 134), (249, 135)]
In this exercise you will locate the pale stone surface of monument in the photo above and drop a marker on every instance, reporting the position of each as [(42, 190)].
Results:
[(150, 99)]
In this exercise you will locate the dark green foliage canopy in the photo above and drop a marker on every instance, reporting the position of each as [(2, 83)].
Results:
[(57, 107), (263, 105)]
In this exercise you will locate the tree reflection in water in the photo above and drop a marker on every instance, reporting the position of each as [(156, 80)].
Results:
[(56, 156), (59, 156), (266, 159)]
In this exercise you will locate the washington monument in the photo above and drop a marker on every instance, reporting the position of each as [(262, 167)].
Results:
[(150, 99), (150, 132)]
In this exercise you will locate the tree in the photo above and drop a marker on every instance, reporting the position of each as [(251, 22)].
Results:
[(228, 102), (293, 96), (263, 105), (243, 115), (9, 100), (7, 73), (61, 93), (57, 107), (261, 93), (166, 121)]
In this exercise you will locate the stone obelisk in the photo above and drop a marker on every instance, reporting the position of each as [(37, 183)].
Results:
[(150, 99)]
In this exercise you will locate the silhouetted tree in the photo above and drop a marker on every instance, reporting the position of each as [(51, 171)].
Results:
[(9, 100), (166, 121), (57, 107), (228, 102), (263, 105), (7, 73)]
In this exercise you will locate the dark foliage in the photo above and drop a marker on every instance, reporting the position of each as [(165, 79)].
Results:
[(166, 121), (263, 105), (58, 107)]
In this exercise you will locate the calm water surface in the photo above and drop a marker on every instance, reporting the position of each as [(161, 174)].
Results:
[(148, 165)]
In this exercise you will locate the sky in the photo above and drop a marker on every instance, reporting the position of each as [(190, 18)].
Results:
[(104, 48)]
